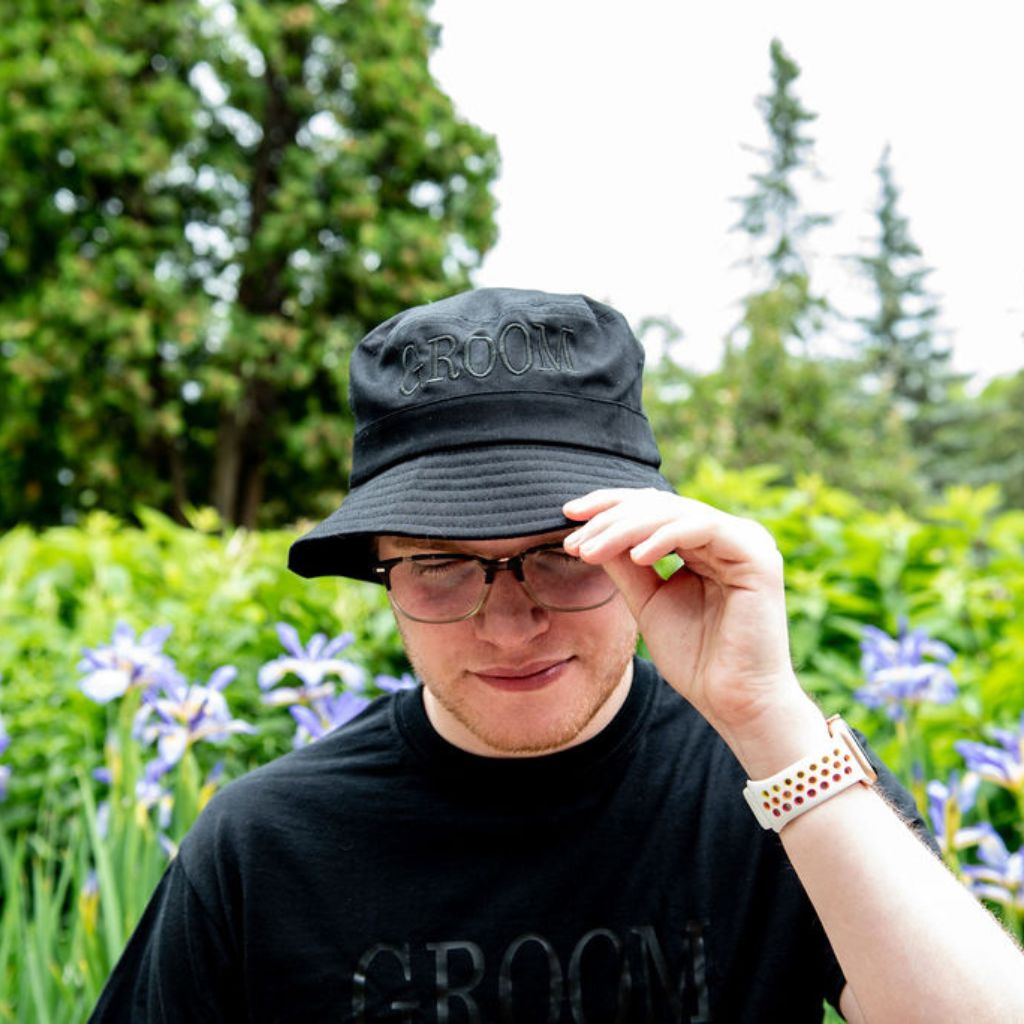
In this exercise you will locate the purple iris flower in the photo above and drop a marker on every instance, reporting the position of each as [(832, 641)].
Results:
[(91, 885), (180, 715), (325, 715), (391, 684), (1000, 875), (311, 663), (1003, 765), (5, 772), (904, 670), (150, 792), (947, 803), (125, 663)]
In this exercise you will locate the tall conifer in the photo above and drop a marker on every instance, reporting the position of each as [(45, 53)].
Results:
[(900, 349)]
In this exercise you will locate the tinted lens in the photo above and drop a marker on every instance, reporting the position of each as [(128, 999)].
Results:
[(437, 589), (563, 583)]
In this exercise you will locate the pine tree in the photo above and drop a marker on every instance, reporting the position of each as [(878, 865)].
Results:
[(904, 366), (900, 350), (761, 372), (782, 406), (772, 214)]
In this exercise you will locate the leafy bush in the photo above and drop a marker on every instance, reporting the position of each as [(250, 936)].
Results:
[(911, 627), (63, 590)]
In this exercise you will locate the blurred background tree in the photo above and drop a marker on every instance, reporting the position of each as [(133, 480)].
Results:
[(899, 347), (883, 415), (775, 400), (985, 443), (906, 368), (204, 205)]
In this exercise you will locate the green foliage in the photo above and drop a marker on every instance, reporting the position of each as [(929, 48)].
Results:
[(978, 440), (203, 207), (767, 406), (78, 885), (64, 589), (956, 572), (78, 860)]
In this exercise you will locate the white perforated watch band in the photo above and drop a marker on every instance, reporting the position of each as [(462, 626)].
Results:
[(811, 781)]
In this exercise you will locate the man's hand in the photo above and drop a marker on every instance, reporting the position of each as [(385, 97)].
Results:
[(717, 628)]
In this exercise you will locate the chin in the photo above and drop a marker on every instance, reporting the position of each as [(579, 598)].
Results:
[(525, 728)]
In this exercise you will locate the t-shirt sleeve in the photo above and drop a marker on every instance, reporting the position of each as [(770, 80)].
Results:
[(177, 965), (900, 798)]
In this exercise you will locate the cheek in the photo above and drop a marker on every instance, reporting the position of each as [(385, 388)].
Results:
[(432, 649), (611, 628)]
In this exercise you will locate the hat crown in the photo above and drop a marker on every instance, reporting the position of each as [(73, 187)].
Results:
[(480, 416), (494, 365)]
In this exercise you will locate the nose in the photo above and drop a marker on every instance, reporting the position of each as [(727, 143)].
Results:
[(509, 616)]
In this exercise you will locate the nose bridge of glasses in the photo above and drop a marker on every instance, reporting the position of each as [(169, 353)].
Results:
[(492, 566)]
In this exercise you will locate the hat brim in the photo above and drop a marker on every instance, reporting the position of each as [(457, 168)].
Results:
[(482, 493)]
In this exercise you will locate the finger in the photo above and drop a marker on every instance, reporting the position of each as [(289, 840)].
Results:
[(651, 524), (646, 540), (636, 583), (602, 509), (710, 542), (588, 505)]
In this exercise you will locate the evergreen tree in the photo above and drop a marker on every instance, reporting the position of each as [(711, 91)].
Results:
[(900, 350), (204, 205), (775, 392), (905, 367), (978, 440), (771, 403), (773, 216)]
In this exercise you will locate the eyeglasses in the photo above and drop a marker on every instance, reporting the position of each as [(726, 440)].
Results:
[(450, 587)]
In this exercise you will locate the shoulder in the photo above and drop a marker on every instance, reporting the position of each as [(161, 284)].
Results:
[(302, 785)]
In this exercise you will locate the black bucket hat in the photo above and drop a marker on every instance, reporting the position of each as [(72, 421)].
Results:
[(478, 417)]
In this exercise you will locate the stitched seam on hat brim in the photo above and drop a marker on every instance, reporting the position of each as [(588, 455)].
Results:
[(423, 406), (512, 484), (476, 447)]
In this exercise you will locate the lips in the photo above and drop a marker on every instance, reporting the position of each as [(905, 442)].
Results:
[(524, 677)]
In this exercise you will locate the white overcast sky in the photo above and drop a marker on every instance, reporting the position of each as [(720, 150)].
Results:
[(622, 129)]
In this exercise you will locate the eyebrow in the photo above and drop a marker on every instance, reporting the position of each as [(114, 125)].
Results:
[(429, 543)]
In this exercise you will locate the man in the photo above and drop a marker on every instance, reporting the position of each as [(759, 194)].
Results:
[(551, 830)]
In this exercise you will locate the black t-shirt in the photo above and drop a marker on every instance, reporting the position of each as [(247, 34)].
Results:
[(382, 874)]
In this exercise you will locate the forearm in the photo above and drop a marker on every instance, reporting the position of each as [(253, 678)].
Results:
[(913, 943)]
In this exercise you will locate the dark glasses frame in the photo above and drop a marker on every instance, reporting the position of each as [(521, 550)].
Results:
[(381, 570)]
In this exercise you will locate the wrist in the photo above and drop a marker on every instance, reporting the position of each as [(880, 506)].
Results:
[(810, 781), (778, 736)]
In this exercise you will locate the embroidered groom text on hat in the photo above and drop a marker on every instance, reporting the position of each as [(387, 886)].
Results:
[(519, 348)]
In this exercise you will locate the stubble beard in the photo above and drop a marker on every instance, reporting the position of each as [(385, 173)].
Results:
[(557, 733)]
